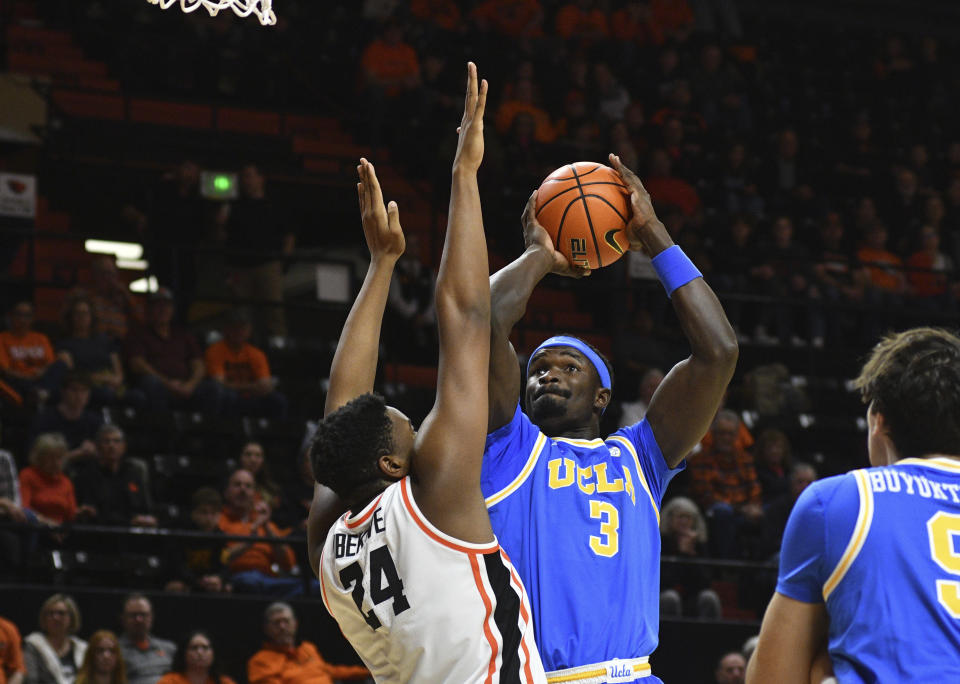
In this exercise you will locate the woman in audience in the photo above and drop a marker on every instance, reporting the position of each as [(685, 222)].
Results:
[(685, 589), (103, 663), (772, 461), (44, 489), (90, 352), (194, 662), (252, 460), (54, 655)]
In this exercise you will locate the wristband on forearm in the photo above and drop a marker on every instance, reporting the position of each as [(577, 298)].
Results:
[(674, 268)]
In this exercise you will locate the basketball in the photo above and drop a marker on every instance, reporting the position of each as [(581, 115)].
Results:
[(584, 207)]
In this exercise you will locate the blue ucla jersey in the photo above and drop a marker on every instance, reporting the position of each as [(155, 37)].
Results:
[(579, 519), (881, 547)]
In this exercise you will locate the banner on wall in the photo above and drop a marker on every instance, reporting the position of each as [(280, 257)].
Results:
[(18, 195)]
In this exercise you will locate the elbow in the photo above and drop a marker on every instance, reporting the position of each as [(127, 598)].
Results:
[(463, 308), (722, 352)]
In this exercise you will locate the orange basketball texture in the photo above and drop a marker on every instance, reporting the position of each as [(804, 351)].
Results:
[(584, 207)]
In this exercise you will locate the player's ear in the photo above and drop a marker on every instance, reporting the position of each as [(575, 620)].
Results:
[(602, 398), (393, 467)]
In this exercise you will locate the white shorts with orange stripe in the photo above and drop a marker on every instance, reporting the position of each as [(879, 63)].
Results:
[(421, 606)]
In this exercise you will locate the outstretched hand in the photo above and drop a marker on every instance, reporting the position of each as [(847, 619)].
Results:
[(381, 224), (470, 146), (641, 206), (536, 235)]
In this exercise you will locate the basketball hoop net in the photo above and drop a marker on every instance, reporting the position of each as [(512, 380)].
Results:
[(242, 8)]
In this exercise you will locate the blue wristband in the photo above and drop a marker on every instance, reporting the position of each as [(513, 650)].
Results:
[(674, 268)]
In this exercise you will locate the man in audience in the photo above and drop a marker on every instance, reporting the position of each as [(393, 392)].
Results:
[(255, 566), (12, 668), (731, 669), (242, 371), (112, 485), (168, 362), (777, 512), (147, 657), (724, 483), (71, 418), (282, 661), (27, 361)]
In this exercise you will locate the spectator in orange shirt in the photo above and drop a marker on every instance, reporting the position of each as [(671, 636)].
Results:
[(928, 269), (44, 489), (670, 189), (523, 102), (442, 13), (580, 19), (389, 64), (283, 661), (724, 483), (12, 668), (634, 23), (242, 372), (675, 16), (27, 361), (513, 18), (195, 662), (254, 566), (884, 268)]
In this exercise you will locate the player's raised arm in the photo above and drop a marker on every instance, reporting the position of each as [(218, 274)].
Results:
[(510, 290), (354, 364), (687, 400), (449, 445)]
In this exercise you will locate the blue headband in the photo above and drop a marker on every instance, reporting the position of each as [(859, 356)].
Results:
[(583, 348)]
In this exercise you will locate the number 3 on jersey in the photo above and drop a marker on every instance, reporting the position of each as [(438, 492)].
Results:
[(944, 531), (382, 568), (608, 544)]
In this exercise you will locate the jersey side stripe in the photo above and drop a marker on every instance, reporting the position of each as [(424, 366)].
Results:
[(492, 667), (435, 534), (524, 616), (506, 615), (643, 480), (859, 536), (522, 477)]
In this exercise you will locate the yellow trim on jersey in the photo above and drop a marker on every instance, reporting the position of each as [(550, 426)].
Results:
[(582, 674), (859, 536), (643, 479), (522, 477), (951, 465), (595, 442)]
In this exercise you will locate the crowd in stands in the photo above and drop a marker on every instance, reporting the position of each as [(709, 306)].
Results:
[(56, 654), (820, 223)]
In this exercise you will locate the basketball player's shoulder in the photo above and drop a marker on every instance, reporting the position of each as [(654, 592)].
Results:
[(836, 490)]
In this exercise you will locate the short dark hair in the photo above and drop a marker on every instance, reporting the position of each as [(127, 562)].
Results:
[(912, 378), (349, 442)]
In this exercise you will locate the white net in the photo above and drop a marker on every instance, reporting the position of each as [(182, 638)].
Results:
[(244, 8)]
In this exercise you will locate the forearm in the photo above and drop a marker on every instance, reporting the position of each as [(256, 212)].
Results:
[(139, 365), (197, 371), (462, 282), (511, 287), (355, 361)]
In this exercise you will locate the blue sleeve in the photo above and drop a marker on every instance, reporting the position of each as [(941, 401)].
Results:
[(655, 469), (803, 552), (506, 453)]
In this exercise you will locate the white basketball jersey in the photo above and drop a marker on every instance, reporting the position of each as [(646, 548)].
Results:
[(421, 606)]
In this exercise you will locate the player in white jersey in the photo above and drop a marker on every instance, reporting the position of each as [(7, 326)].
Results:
[(412, 572)]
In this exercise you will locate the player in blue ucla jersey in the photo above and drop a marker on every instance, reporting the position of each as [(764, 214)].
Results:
[(578, 515), (870, 562)]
